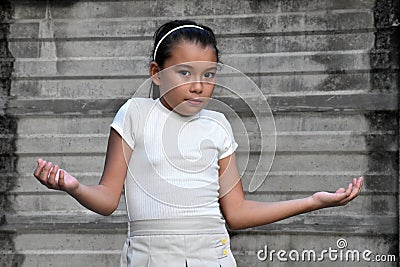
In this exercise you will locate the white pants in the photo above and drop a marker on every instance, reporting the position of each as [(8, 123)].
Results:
[(192, 242)]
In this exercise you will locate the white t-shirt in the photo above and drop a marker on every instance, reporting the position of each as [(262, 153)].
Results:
[(173, 170)]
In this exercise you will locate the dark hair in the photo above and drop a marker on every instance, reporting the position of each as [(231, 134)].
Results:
[(204, 37)]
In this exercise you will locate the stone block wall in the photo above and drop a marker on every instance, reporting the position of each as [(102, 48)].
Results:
[(328, 68)]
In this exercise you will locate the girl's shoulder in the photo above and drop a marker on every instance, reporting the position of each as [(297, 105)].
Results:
[(142, 100), (139, 103), (213, 114), (218, 117), (134, 106)]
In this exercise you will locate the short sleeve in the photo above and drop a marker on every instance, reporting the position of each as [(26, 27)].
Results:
[(126, 120), (229, 144)]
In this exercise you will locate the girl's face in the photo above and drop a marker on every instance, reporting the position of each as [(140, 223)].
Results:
[(187, 78)]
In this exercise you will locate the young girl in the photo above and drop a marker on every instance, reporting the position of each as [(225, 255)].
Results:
[(176, 210)]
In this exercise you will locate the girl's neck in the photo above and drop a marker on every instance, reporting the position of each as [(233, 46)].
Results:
[(164, 105)]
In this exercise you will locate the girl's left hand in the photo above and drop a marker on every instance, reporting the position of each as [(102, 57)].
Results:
[(340, 197)]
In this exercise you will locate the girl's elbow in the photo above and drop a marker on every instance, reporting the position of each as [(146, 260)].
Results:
[(108, 210), (235, 226), (234, 216), (233, 223)]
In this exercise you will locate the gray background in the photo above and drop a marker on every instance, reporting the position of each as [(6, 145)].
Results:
[(329, 69)]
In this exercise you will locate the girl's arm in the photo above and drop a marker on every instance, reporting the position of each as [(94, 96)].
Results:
[(102, 198), (242, 213)]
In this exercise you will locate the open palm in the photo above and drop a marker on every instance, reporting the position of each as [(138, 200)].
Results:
[(341, 197)]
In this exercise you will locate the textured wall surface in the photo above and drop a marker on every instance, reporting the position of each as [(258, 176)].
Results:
[(8, 134), (330, 72)]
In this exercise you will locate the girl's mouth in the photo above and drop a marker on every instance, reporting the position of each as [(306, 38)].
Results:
[(194, 101)]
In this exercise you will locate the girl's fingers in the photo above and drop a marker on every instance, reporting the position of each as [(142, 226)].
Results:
[(340, 190), (39, 171), (52, 177), (49, 175), (356, 188), (45, 175), (360, 182), (39, 168), (349, 190), (61, 179)]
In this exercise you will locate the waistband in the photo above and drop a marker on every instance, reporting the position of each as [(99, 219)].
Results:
[(176, 226)]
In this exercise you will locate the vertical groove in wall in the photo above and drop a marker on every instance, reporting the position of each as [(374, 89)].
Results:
[(396, 54), (8, 132), (384, 58)]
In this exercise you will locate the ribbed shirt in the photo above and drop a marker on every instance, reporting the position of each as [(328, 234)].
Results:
[(173, 170)]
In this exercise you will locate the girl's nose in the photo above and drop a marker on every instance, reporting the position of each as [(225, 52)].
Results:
[(196, 87)]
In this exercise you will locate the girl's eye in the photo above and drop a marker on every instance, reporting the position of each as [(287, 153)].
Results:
[(209, 75), (184, 72)]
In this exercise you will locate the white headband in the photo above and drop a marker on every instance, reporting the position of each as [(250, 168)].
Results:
[(171, 31)]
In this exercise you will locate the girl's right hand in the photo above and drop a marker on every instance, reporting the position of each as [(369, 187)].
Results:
[(54, 178)]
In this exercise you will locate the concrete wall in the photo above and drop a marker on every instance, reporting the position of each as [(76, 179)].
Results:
[(8, 134), (329, 69)]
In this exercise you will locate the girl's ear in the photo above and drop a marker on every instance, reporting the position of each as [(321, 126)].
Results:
[(154, 70)]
